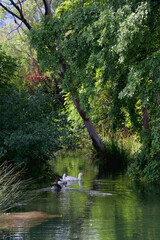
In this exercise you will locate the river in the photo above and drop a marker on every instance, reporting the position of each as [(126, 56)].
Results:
[(104, 208)]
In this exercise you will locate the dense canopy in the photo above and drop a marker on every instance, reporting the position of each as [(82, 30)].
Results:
[(103, 58)]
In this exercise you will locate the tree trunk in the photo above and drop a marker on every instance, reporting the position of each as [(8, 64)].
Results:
[(96, 141), (47, 6)]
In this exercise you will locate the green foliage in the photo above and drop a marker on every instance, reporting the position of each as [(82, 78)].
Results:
[(16, 44), (135, 171), (120, 147), (111, 52), (32, 127), (152, 171), (7, 68), (73, 115), (144, 168), (155, 135)]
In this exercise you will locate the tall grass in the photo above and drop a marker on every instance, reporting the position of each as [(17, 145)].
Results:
[(129, 142), (119, 150), (11, 186)]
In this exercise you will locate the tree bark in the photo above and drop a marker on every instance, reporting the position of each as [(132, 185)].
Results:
[(96, 141), (47, 7)]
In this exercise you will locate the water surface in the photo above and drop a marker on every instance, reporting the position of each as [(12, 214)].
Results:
[(131, 212), (110, 208)]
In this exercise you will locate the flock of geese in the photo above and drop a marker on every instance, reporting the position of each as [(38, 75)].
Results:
[(64, 180), (68, 180)]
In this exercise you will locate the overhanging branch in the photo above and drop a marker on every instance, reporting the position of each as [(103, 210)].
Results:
[(20, 16), (9, 11)]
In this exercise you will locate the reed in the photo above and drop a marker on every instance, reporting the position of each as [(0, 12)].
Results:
[(11, 186)]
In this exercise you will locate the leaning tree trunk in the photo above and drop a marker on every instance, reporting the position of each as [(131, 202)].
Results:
[(96, 141)]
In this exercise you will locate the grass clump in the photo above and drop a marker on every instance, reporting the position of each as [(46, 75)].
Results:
[(11, 186), (119, 150)]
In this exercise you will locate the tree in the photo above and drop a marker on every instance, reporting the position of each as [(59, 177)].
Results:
[(20, 15), (91, 45), (32, 127)]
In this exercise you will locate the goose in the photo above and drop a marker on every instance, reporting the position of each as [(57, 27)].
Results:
[(69, 178), (63, 179), (56, 187)]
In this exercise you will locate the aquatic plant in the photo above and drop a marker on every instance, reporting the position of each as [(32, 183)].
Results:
[(11, 186)]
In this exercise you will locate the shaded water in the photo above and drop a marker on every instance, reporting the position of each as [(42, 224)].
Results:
[(131, 212)]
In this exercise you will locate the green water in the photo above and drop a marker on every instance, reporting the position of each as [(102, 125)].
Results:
[(131, 212)]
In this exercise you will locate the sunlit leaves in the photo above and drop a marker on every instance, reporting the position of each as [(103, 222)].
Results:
[(32, 127), (111, 52), (8, 68), (130, 30)]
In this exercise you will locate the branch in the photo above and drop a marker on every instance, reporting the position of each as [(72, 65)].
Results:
[(21, 17), (16, 29), (83, 2), (156, 5), (40, 11), (20, 5), (9, 11), (47, 7), (16, 6), (33, 60)]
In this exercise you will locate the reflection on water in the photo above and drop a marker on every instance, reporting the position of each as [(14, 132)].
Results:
[(23, 220), (132, 212)]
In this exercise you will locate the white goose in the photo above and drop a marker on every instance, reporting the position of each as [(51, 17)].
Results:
[(69, 178), (63, 179)]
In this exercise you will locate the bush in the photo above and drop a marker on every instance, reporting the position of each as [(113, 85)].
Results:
[(32, 129)]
